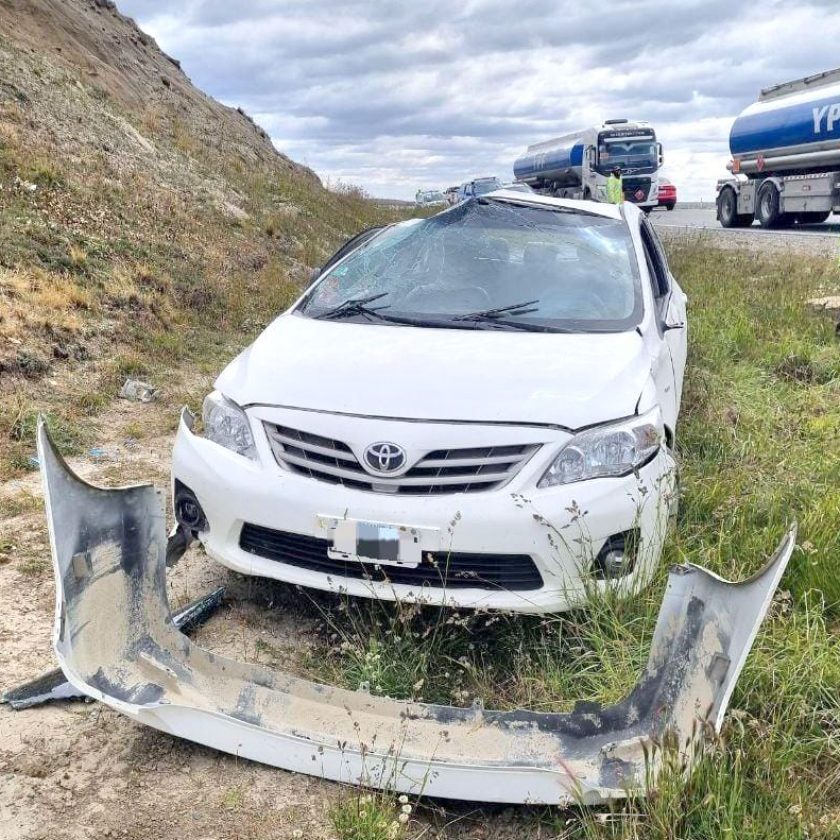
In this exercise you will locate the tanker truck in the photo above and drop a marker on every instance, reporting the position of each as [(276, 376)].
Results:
[(785, 156), (577, 165)]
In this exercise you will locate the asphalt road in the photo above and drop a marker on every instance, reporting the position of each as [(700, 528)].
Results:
[(704, 219)]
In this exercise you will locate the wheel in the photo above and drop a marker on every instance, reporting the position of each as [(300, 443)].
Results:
[(670, 206), (769, 215), (727, 210), (647, 210), (813, 218), (587, 195)]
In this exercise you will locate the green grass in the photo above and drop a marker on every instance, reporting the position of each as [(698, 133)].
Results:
[(759, 445), (371, 816)]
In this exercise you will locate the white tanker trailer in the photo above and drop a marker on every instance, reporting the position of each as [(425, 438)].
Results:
[(785, 156)]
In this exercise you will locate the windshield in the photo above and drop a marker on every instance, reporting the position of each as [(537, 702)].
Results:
[(628, 153), (489, 264)]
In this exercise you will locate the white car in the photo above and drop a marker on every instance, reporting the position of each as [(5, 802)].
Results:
[(476, 409)]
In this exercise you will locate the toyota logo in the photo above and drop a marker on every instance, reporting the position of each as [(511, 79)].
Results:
[(385, 457)]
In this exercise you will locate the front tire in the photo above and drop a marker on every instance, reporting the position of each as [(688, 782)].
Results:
[(670, 206)]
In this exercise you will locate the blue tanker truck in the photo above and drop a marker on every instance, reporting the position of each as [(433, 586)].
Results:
[(785, 156), (577, 165)]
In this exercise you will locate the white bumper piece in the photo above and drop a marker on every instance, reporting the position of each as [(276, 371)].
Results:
[(116, 642)]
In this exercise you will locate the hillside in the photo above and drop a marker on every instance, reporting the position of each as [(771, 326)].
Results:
[(139, 218)]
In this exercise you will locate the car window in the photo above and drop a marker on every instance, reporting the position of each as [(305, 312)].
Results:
[(574, 270), (658, 264)]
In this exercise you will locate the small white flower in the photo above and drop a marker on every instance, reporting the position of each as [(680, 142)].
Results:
[(402, 799), (402, 819), (406, 809)]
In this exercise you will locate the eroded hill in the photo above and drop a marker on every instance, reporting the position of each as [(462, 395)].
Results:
[(142, 223)]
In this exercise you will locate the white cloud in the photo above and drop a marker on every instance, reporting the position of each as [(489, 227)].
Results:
[(399, 95)]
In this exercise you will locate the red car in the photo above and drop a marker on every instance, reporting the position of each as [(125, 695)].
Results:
[(667, 194)]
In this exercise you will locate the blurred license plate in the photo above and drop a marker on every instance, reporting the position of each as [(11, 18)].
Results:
[(375, 542)]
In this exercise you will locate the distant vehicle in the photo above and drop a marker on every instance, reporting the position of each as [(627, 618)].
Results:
[(785, 156), (477, 187), (429, 198), (517, 186), (451, 195), (577, 165), (667, 194)]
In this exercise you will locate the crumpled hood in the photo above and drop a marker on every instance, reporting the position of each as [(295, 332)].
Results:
[(438, 374)]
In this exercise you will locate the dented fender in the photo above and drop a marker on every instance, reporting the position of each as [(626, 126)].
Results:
[(116, 641)]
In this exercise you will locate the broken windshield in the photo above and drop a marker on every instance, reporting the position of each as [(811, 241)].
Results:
[(577, 271)]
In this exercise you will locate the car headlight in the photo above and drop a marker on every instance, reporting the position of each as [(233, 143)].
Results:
[(613, 450), (225, 423)]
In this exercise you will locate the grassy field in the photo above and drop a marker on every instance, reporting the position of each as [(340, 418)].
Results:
[(760, 448)]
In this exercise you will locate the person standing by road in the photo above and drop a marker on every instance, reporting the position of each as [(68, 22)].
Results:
[(615, 189)]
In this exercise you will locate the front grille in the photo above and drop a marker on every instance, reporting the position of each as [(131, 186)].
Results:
[(442, 570), (632, 185), (466, 470)]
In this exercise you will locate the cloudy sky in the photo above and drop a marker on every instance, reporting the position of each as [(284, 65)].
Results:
[(394, 96)]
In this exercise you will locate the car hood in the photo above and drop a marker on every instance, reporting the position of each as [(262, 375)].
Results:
[(374, 370)]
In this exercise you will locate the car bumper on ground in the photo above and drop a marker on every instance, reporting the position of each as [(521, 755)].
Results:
[(518, 548), (116, 642)]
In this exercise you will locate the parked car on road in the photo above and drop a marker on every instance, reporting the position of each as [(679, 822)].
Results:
[(667, 194), (430, 198), (475, 409), (477, 187)]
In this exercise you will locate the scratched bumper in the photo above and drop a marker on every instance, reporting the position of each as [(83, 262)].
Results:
[(116, 642)]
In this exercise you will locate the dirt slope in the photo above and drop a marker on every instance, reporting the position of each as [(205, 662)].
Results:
[(92, 40), (144, 226)]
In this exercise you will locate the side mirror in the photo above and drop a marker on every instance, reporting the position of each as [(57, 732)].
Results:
[(314, 275), (659, 154)]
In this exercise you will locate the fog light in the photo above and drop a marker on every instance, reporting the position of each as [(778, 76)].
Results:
[(188, 511), (617, 556)]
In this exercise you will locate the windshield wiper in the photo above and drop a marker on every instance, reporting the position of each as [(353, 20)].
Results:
[(353, 306), (496, 313)]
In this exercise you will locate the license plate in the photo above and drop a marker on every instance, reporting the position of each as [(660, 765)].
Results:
[(379, 543)]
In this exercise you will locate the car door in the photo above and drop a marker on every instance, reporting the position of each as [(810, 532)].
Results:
[(670, 302)]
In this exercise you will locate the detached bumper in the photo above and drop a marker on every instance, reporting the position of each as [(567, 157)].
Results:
[(116, 642)]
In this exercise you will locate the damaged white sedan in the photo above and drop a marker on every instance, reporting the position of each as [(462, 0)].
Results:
[(476, 409)]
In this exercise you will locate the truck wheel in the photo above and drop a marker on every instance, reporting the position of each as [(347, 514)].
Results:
[(768, 207), (670, 206), (727, 208)]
